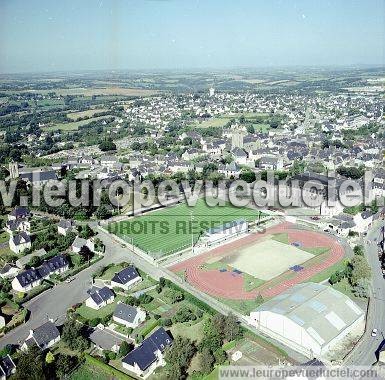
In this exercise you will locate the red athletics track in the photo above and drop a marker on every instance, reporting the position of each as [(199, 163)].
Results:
[(230, 286)]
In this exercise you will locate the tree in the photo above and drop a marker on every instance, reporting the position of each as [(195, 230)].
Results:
[(220, 356), (361, 289), (49, 358), (207, 361), (231, 327), (86, 232), (247, 176), (180, 354), (250, 129), (102, 212), (360, 269), (213, 338), (358, 250), (73, 336), (107, 145), (173, 296), (351, 171), (298, 167), (30, 365), (174, 372), (184, 314), (85, 254), (136, 146), (145, 298), (209, 169), (65, 364), (124, 348)]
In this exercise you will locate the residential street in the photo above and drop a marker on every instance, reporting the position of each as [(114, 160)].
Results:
[(364, 352), (55, 302)]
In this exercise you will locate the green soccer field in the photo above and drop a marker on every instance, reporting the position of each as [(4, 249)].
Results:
[(170, 229)]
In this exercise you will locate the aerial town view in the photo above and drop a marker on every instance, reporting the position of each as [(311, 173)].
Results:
[(192, 189)]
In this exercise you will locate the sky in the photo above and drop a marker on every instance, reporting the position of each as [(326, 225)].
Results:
[(68, 35)]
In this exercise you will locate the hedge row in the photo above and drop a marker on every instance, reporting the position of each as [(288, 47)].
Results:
[(75, 271), (149, 328), (35, 292)]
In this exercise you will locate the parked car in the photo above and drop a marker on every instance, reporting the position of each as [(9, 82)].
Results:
[(374, 332)]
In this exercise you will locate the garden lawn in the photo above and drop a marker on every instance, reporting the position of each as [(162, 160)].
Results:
[(192, 330), (242, 306), (109, 273), (88, 372), (324, 275), (4, 237), (90, 313), (175, 232)]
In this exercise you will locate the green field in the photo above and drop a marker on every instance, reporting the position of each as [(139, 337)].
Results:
[(74, 125), (170, 229), (88, 372)]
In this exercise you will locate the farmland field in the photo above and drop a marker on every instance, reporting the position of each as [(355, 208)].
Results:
[(74, 125), (88, 113), (91, 91), (169, 230)]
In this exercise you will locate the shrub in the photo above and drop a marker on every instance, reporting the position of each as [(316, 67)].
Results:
[(167, 322)]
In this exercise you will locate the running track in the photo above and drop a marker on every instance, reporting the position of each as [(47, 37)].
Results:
[(230, 286)]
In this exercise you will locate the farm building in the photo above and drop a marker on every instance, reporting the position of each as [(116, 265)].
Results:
[(310, 318)]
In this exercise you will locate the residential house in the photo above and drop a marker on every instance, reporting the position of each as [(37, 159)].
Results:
[(148, 356), (126, 278), (8, 271), (79, 243), (17, 225), (7, 367), (229, 170), (65, 226), (108, 161), (31, 278), (99, 297), (128, 315), (240, 156), (363, 221), (19, 243), (26, 280), (45, 336), (271, 163), (38, 178), (105, 340), (19, 212)]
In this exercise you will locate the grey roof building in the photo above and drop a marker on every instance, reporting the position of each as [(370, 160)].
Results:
[(125, 312), (7, 366), (43, 336), (125, 275), (147, 353), (100, 295), (310, 318)]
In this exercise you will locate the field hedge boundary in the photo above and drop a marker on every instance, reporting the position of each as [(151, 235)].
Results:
[(107, 368)]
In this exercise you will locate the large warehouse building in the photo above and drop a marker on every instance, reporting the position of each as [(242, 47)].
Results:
[(310, 318)]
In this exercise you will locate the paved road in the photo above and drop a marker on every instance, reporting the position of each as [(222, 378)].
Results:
[(54, 303), (364, 352)]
